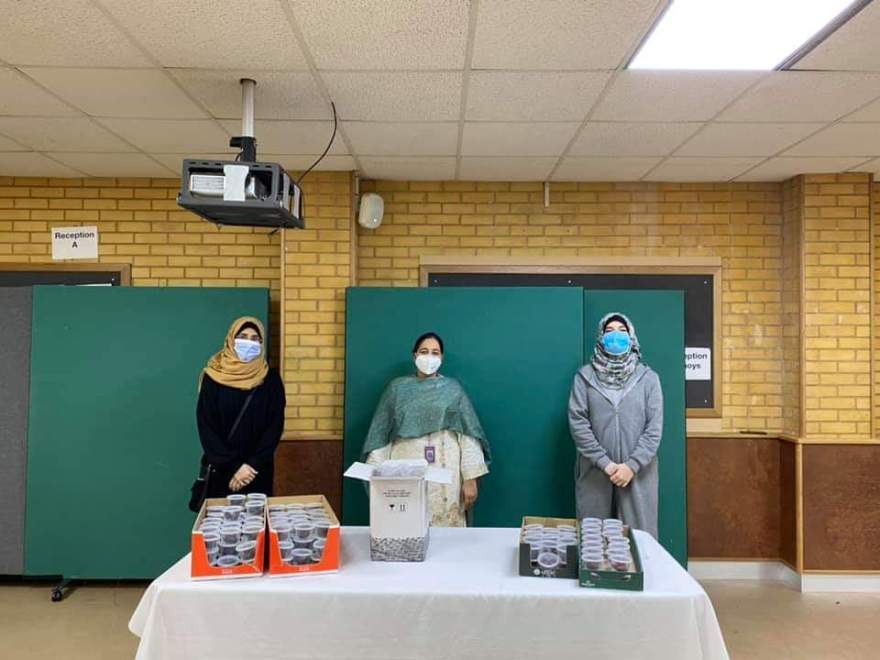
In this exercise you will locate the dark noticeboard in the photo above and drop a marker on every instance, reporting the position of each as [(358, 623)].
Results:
[(67, 274), (699, 308)]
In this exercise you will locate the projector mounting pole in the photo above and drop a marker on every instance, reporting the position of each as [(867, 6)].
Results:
[(246, 141)]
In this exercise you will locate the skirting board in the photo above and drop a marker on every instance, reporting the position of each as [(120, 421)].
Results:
[(776, 571), (763, 571), (840, 583)]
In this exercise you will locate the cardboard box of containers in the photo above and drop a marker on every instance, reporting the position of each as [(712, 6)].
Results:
[(400, 517), (205, 554), (605, 577), (323, 542), (527, 564)]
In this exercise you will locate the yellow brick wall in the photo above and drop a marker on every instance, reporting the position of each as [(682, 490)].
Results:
[(317, 269), (741, 223), (792, 228), (140, 224), (752, 227), (838, 276), (875, 202)]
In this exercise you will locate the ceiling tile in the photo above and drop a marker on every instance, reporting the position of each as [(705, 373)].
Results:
[(533, 96), (291, 137), (79, 31), (516, 139), (61, 134), (853, 46), (603, 169), (24, 98), (841, 140), (278, 95), (804, 96), (781, 168), (299, 163), (870, 112), (565, 34), (399, 96), (872, 166), (735, 139), (212, 35), (114, 165), (118, 92), (505, 169), (407, 168), (172, 135), (671, 95), (402, 139), (9, 145), (33, 164), (701, 169), (631, 138), (391, 34)]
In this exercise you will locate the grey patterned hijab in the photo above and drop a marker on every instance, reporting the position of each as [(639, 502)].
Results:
[(614, 371)]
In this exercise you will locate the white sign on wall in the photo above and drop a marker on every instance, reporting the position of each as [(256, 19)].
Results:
[(74, 242), (698, 364)]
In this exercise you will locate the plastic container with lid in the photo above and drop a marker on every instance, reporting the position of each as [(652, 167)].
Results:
[(286, 548), (301, 556), (283, 531), (232, 513), (303, 531), (548, 560), (247, 551)]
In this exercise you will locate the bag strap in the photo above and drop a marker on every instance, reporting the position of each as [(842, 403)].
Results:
[(235, 424), (205, 470)]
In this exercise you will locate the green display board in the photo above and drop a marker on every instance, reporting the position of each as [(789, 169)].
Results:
[(659, 320), (514, 350), (112, 441)]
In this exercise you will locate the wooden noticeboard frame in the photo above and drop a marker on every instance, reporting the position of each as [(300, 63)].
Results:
[(603, 266)]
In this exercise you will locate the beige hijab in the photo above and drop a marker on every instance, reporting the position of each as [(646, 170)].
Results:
[(227, 369)]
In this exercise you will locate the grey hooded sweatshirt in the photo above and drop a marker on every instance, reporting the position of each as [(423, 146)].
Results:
[(617, 426)]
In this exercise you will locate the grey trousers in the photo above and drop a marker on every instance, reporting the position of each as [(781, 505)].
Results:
[(597, 497)]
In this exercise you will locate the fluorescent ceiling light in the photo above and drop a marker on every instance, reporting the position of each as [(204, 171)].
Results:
[(733, 34)]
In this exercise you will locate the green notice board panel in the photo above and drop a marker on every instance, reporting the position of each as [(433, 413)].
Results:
[(112, 443), (659, 320), (514, 350)]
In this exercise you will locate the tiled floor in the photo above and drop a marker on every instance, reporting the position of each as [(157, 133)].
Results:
[(760, 622)]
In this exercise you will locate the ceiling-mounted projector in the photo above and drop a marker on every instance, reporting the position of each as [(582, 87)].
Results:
[(243, 191)]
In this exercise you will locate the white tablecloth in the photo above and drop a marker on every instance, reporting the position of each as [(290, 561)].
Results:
[(465, 601)]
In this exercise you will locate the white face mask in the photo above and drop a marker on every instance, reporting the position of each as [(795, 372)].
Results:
[(247, 349), (428, 364)]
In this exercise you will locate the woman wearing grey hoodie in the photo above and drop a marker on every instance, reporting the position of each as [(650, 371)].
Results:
[(615, 414)]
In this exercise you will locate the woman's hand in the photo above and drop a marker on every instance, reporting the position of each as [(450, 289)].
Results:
[(242, 478), (622, 475), (611, 468), (469, 492)]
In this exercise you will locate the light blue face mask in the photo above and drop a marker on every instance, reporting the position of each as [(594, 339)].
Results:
[(247, 349), (616, 342)]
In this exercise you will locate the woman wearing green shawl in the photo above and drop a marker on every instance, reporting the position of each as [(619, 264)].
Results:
[(616, 418), (430, 416)]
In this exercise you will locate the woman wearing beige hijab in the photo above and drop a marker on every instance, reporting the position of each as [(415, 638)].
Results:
[(240, 413)]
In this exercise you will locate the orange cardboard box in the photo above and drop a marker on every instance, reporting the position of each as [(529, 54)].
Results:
[(202, 570), (329, 561)]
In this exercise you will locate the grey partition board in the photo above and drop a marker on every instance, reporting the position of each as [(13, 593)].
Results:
[(15, 369)]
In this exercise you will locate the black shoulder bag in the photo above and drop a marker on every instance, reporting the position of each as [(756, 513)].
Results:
[(199, 490)]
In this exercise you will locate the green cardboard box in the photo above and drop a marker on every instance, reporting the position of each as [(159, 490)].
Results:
[(608, 578), (568, 570)]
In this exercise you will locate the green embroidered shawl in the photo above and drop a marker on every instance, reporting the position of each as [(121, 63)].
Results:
[(412, 408)]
